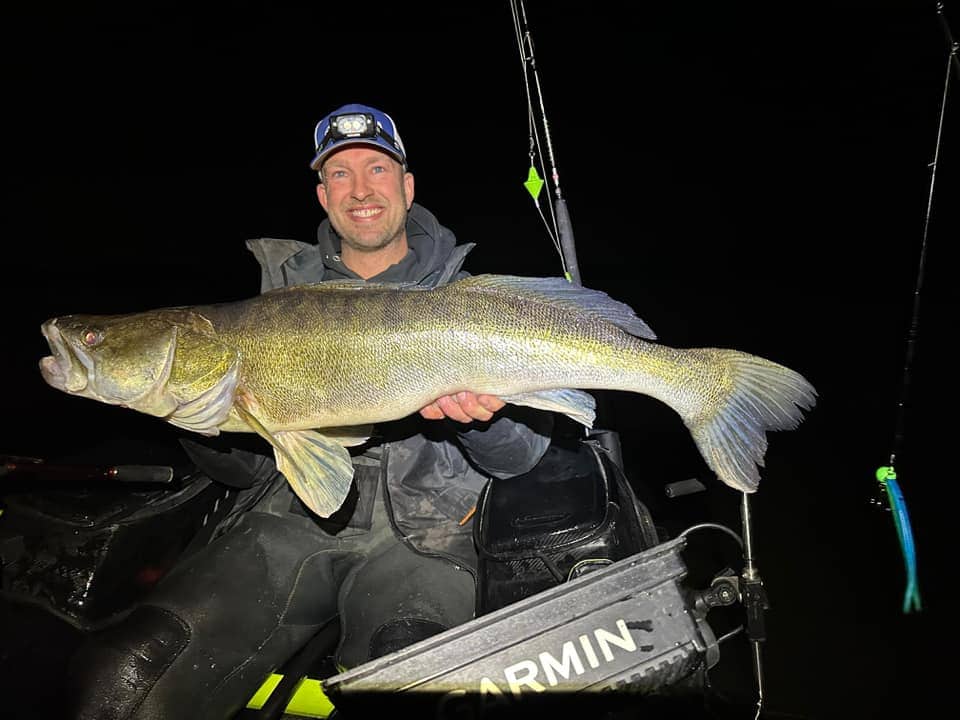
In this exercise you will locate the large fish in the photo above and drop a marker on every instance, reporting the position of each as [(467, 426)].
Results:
[(311, 368)]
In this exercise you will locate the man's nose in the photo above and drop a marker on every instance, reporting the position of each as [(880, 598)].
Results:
[(361, 187)]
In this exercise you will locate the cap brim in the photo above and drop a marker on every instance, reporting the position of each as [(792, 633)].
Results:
[(327, 152)]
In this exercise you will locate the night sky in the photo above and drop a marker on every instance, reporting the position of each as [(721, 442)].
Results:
[(748, 175)]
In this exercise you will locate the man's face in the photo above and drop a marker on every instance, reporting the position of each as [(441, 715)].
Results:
[(366, 194)]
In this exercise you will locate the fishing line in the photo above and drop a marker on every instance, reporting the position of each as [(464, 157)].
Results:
[(558, 226), (887, 475), (534, 183)]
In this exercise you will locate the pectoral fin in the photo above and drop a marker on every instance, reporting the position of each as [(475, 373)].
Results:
[(205, 412), (317, 467), (575, 404)]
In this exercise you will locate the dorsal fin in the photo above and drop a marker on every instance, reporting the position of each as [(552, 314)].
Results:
[(559, 291)]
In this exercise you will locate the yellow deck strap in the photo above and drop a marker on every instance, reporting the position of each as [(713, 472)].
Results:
[(308, 699)]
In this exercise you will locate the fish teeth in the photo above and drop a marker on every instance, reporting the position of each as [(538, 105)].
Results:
[(72, 381)]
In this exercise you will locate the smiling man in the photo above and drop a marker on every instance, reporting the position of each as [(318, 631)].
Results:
[(396, 563), (367, 195)]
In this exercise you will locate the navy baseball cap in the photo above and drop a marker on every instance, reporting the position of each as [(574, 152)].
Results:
[(357, 125)]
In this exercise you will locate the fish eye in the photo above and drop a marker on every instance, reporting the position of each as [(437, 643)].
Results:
[(92, 338)]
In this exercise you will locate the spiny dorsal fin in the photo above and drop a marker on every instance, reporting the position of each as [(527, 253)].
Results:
[(559, 291)]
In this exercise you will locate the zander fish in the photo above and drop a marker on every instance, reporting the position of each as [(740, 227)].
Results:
[(311, 368)]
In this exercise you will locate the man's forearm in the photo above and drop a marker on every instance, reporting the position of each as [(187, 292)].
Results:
[(510, 444)]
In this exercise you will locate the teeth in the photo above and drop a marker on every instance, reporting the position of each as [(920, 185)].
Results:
[(55, 341), (366, 212), (59, 365), (49, 329)]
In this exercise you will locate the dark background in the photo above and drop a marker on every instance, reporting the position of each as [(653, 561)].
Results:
[(751, 175)]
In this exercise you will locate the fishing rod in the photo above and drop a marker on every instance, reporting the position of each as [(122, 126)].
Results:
[(951, 43), (16, 467), (752, 594), (559, 227), (887, 475)]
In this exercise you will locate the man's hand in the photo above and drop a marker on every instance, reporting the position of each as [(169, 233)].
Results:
[(463, 407)]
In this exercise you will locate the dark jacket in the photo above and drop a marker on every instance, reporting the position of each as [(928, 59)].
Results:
[(432, 470)]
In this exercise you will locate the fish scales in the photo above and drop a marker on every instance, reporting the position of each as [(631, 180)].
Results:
[(365, 353)]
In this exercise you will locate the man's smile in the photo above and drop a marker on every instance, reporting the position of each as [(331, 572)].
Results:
[(365, 213)]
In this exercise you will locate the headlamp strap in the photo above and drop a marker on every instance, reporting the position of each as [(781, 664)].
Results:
[(373, 129)]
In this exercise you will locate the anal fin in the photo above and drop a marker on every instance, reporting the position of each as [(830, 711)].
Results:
[(349, 435), (575, 404)]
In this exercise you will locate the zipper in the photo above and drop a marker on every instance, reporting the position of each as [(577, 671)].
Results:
[(406, 541)]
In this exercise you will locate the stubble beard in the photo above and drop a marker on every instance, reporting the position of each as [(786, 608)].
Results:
[(379, 242), (385, 239)]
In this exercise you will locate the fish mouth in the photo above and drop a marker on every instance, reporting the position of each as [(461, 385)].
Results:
[(66, 369)]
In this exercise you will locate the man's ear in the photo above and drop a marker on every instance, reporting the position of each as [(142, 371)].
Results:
[(407, 189), (322, 195)]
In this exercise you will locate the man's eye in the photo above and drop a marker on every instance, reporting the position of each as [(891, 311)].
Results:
[(338, 173), (378, 169)]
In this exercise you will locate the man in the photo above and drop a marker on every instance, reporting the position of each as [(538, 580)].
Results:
[(396, 562)]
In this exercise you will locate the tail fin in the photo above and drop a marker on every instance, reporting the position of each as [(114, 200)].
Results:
[(764, 396)]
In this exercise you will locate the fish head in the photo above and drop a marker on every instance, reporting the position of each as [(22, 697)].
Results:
[(121, 360)]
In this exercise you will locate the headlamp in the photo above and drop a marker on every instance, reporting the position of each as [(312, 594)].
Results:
[(361, 125), (352, 126)]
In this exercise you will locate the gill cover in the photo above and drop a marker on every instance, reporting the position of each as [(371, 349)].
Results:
[(203, 376)]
